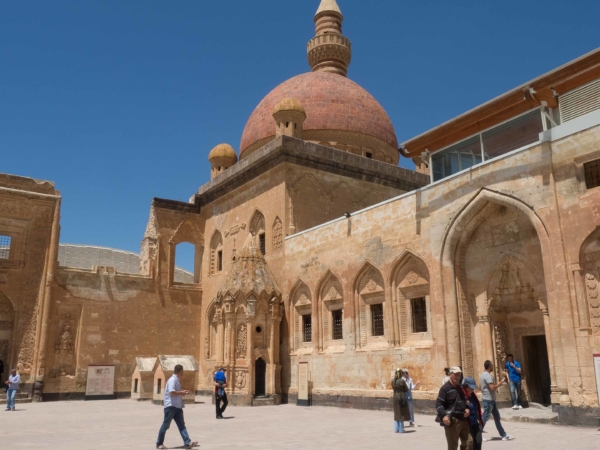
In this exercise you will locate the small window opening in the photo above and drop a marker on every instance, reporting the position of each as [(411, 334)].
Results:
[(5, 247), (419, 315), (262, 243), (159, 386), (295, 126), (377, 319), (258, 329), (185, 254), (135, 386), (369, 155), (287, 124), (337, 321), (219, 168), (219, 260), (307, 328), (592, 179)]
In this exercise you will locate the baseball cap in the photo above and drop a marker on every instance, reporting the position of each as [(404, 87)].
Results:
[(470, 382), (455, 369)]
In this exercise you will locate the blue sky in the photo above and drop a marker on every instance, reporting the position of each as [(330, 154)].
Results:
[(121, 101)]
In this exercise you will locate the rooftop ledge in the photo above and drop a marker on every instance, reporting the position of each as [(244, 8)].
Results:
[(569, 128), (296, 151)]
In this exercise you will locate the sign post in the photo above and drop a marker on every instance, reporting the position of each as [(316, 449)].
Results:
[(100, 383), (303, 395)]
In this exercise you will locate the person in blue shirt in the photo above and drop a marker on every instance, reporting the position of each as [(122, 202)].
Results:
[(514, 375), (220, 393)]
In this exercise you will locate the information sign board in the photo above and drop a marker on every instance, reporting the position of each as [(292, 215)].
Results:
[(303, 396), (100, 383)]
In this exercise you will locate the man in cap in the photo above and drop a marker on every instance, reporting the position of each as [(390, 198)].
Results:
[(475, 419), (452, 411), (220, 393)]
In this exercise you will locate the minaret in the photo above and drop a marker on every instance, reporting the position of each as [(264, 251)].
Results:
[(329, 50)]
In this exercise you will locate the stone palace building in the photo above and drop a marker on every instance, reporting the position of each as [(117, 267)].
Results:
[(315, 246)]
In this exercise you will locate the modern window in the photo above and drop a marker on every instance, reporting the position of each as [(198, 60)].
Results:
[(418, 307), (592, 179), (497, 141), (262, 243), (377, 319), (5, 247), (338, 328), (219, 260), (135, 387), (307, 328), (159, 385)]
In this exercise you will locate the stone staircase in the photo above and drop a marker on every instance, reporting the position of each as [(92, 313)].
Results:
[(263, 401), (20, 397)]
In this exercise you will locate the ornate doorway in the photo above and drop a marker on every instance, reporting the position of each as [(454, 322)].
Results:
[(260, 372)]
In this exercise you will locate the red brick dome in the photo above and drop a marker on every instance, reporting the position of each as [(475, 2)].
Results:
[(337, 109)]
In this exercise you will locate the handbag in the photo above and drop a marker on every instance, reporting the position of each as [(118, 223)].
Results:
[(440, 419)]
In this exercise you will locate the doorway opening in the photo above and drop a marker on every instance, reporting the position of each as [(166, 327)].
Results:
[(537, 369), (260, 372)]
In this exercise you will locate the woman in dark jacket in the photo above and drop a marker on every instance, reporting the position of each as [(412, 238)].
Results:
[(401, 411), (475, 419)]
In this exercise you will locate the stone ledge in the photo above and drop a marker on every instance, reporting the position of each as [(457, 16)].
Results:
[(299, 152)]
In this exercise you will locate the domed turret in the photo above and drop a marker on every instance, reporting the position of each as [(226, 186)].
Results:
[(289, 115), (221, 157)]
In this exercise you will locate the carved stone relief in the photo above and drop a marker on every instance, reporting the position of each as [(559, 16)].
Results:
[(501, 341), (591, 287), (512, 293), (277, 234), (240, 379), (241, 345), (64, 342)]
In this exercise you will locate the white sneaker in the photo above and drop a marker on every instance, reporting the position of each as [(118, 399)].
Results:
[(484, 439), (520, 407), (507, 437), (515, 407)]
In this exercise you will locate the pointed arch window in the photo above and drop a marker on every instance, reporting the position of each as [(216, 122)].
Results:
[(216, 253)]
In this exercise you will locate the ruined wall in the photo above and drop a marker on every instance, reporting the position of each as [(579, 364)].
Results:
[(103, 317)]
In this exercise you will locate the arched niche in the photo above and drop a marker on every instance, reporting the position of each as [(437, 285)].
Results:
[(411, 305), (216, 253), (371, 320), (300, 305), (258, 231), (586, 283), (330, 311)]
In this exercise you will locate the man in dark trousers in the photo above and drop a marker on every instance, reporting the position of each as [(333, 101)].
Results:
[(514, 375), (452, 411), (220, 393)]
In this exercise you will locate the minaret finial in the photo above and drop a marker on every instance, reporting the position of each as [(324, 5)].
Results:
[(329, 50)]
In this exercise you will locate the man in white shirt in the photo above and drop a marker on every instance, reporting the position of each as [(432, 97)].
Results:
[(173, 404), (488, 395), (13, 385)]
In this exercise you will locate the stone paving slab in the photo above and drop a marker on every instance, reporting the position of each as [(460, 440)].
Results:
[(128, 424), (532, 415)]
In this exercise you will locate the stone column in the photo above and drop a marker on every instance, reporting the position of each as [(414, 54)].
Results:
[(555, 392), (578, 278), (250, 315), (220, 340), (486, 336)]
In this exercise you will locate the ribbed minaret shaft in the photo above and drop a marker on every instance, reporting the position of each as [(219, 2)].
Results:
[(329, 50)]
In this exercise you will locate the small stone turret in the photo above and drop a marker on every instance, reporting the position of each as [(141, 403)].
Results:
[(329, 50), (221, 157), (289, 115)]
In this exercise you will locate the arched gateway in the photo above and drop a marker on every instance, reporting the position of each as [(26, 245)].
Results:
[(495, 265)]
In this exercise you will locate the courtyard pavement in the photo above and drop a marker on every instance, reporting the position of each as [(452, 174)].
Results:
[(127, 424)]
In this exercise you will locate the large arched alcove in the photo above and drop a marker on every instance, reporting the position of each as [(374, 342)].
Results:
[(7, 316), (494, 299)]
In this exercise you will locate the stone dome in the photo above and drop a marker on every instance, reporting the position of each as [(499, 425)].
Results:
[(337, 110), (289, 104), (223, 151)]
